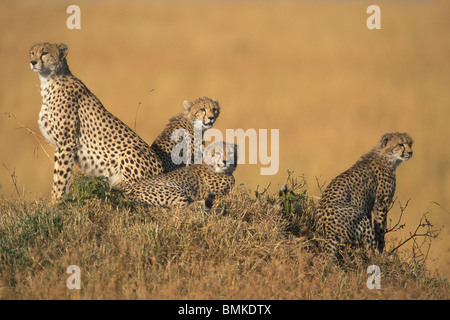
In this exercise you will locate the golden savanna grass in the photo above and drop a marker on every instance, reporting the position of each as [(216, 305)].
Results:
[(246, 247), (312, 70)]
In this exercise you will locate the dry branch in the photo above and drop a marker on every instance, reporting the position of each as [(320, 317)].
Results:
[(29, 131)]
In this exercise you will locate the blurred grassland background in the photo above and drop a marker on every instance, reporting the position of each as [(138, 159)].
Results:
[(312, 70)]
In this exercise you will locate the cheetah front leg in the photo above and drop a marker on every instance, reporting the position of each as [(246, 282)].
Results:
[(380, 211), (380, 231), (64, 160)]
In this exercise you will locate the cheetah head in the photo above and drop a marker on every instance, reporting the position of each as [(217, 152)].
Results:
[(221, 157), (48, 58), (203, 109), (396, 147)]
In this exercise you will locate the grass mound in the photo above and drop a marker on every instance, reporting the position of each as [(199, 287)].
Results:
[(251, 245)]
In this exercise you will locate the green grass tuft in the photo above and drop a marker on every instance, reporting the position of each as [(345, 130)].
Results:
[(85, 188)]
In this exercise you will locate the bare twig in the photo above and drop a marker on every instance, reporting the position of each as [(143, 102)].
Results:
[(319, 186), (429, 233), (258, 194), (13, 178), (293, 183), (438, 204), (29, 131), (397, 226), (418, 255), (137, 109)]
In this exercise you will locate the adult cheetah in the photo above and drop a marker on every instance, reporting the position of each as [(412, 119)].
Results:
[(197, 182), (74, 120), (202, 113), (361, 194)]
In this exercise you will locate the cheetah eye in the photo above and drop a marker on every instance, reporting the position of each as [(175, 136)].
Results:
[(44, 53), (203, 109)]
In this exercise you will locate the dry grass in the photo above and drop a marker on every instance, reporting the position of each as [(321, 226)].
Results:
[(247, 247), (312, 70)]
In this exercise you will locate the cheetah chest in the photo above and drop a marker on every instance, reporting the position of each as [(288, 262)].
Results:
[(44, 125)]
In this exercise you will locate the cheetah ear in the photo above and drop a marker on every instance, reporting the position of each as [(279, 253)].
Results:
[(187, 105), (63, 50), (384, 139), (236, 150), (236, 153)]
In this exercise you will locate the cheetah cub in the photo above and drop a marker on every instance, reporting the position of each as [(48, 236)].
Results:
[(74, 120), (203, 111), (197, 182), (361, 194)]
